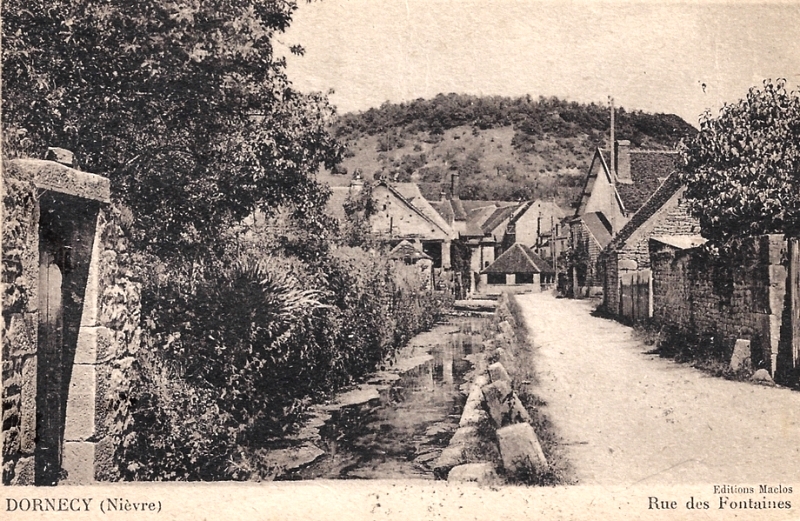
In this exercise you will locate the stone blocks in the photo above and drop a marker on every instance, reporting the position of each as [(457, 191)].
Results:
[(520, 449), (480, 473), (497, 372)]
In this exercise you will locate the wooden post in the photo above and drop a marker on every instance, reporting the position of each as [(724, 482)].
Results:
[(793, 287)]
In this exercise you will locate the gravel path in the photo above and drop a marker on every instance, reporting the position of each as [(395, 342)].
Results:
[(631, 418)]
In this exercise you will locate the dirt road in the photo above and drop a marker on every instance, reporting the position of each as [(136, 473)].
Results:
[(628, 418)]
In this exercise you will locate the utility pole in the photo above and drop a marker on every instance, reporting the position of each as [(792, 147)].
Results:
[(613, 165)]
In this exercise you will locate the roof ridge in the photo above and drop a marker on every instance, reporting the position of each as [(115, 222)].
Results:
[(412, 206)]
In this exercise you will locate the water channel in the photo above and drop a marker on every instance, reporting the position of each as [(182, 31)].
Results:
[(402, 418)]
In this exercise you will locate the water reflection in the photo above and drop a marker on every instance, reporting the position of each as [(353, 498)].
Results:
[(401, 433)]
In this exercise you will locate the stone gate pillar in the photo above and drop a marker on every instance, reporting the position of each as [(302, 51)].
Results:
[(50, 270)]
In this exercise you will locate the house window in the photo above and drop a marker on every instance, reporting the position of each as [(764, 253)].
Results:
[(434, 250), (496, 278), (523, 278)]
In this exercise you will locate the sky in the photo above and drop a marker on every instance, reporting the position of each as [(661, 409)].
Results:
[(679, 58)]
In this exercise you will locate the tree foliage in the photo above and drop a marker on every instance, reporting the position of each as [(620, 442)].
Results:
[(183, 104), (530, 117), (743, 168)]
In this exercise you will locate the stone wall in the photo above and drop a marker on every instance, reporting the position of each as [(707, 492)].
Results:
[(19, 323), (671, 218), (724, 298), (101, 319)]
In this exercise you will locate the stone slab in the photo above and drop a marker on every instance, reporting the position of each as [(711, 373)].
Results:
[(24, 472), (481, 473), (450, 457), (520, 449), (80, 416), (497, 372), (496, 394), (78, 462), (740, 359), (55, 177), (294, 458)]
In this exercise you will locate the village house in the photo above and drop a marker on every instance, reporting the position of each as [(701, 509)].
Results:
[(625, 262), (518, 269), (616, 187), (534, 221), (402, 215)]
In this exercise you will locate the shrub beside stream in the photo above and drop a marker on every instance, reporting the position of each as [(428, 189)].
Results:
[(231, 359)]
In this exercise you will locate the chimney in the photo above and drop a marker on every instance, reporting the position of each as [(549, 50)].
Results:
[(356, 184), (622, 156), (454, 185), (59, 155)]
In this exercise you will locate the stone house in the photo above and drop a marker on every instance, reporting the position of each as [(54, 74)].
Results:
[(517, 269), (70, 319), (664, 213), (534, 221), (616, 186), (403, 214)]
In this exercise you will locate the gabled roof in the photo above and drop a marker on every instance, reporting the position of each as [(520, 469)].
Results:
[(497, 218), (598, 164), (662, 194), (409, 193), (546, 207), (599, 227), (444, 208), (519, 259), (648, 169), (406, 251)]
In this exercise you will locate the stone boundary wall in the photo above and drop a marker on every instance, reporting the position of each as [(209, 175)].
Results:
[(20, 262), (107, 335), (741, 296)]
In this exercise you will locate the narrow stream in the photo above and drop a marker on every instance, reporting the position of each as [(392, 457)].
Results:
[(400, 432)]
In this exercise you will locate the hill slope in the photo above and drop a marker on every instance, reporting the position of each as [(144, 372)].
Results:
[(502, 148)]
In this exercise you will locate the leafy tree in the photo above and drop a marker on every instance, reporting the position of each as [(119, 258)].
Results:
[(743, 168), (183, 104)]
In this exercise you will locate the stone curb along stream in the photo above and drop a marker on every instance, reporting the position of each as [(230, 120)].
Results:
[(493, 421)]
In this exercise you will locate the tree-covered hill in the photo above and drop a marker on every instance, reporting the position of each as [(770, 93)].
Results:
[(503, 148)]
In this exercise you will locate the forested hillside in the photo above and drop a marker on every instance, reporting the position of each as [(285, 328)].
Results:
[(503, 148)]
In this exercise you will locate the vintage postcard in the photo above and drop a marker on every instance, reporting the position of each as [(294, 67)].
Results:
[(400, 259)]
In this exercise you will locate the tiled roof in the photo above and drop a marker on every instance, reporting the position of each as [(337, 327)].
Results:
[(410, 192), (459, 213), (405, 250), (444, 208), (648, 169), (598, 225), (519, 259), (499, 215), (661, 195)]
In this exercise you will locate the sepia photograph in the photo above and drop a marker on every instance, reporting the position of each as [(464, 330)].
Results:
[(400, 259)]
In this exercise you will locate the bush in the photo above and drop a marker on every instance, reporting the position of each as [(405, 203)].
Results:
[(234, 355)]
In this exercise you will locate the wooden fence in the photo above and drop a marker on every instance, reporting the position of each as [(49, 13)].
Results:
[(636, 295)]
